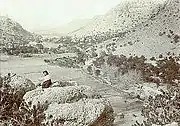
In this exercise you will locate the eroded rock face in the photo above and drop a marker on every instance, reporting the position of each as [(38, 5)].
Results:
[(59, 95), (22, 84), (86, 112)]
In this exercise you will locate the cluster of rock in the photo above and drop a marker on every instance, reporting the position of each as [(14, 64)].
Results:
[(72, 104), (64, 103)]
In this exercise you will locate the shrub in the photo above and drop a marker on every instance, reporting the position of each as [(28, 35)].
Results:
[(160, 56), (14, 110), (152, 58), (97, 72), (176, 38), (169, 70)]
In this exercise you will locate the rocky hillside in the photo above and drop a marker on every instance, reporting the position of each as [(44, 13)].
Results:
[(123, 17), (11, 31), (160, 34), (12, 27)]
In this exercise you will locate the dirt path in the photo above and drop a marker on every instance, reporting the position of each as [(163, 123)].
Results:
[(32, 68)]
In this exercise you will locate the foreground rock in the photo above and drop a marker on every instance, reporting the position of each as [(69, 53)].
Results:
[(59, 95), (72, 105), (86, 112), (22, 84)]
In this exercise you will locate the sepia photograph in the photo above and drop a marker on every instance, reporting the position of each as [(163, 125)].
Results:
[(89, 62)]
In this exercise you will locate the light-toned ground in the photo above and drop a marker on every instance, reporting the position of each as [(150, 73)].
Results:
[(32, 68)]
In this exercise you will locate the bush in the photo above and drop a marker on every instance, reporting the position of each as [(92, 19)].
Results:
[(14, 111), (152, 58), (97, 72), (160, 56), (166, 71)]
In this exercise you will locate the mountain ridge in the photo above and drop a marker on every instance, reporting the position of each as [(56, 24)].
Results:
[(158, 35), (122, 18), (12, 32)]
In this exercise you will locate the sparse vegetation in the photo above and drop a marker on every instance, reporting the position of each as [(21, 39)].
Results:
[(166, 70), (15, 111), (162, 109)]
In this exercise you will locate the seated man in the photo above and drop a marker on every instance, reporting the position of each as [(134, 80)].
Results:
[(46, 80)]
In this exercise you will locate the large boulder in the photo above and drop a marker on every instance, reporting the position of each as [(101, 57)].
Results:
[(22, 84), (73, 105), (60, 95), (86, 112)]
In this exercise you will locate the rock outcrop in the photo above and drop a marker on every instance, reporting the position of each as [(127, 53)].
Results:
[(73, 105), (59, 95)]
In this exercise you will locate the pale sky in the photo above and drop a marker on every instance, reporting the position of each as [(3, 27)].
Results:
[(35, 14)]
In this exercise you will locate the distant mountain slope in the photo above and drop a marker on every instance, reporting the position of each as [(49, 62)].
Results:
[(123, 17), (64, 29), (159, 34), (11, 31), (12, 27)]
